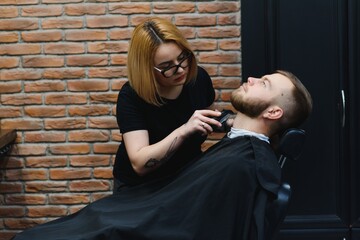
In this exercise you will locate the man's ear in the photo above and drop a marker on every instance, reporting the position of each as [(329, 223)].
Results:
[(273, 112)]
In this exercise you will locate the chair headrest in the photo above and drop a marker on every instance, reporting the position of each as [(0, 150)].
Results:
[(291, 143)]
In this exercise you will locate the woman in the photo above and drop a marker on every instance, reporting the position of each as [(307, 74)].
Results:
[(162, 109)]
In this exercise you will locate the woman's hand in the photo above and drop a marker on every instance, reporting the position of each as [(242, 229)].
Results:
[(201, 122)]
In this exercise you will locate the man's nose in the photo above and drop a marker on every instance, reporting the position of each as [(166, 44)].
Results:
[(252, 80)]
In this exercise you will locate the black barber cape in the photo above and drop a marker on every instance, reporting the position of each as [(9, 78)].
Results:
[(211, 199)]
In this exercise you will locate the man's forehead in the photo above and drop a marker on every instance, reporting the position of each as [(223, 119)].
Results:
[(278, 79)]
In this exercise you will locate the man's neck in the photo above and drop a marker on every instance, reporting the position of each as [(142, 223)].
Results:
[(256, 125)]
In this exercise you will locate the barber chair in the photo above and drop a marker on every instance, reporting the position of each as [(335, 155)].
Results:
[(289, 148)]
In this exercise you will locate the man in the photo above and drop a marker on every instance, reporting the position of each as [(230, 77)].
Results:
[(215, 196)]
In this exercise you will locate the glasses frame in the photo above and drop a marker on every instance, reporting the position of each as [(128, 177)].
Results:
[(177, 66)]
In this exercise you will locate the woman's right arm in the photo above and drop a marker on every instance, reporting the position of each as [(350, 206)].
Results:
[(146, 158)]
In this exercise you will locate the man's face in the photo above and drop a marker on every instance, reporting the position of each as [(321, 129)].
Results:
[(257, 94)]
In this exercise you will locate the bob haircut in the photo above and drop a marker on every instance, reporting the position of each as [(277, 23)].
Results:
[(145, 40)]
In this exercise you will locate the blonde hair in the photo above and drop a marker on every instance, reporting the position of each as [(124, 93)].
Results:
[(145, 40)]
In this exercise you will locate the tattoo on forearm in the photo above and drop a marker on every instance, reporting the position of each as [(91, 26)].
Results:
[(152, 162)]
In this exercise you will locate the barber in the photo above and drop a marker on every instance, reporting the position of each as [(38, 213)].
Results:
[(164, 108)]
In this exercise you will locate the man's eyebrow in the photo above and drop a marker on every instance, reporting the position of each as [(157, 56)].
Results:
[(265, 78)]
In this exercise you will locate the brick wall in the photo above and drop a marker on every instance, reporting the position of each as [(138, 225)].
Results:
[(62, 64)]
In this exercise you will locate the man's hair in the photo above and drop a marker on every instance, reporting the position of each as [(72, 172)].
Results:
[(300, 107), (145, 40)]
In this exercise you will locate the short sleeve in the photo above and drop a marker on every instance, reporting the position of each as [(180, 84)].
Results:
[(129, 110)]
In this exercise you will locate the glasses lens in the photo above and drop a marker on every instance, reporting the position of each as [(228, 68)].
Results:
[(173, 69)]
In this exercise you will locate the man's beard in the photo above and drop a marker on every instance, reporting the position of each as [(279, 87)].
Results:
[(250, 107)]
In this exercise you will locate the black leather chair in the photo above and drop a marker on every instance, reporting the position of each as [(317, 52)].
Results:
[(290, 147)]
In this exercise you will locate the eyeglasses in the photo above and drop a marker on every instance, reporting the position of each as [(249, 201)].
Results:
[(172, 70)]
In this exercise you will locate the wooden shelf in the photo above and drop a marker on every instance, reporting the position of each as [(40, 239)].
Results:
[(7, 136)]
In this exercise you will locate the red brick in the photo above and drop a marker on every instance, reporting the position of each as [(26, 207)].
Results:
[(11, 87), (108, 148), (117, 84), (106, 21), (8, 12), (64, 48), (93, 110), (98, 196), (129, 8), (89, 161), (62, 149), (208, 45), (7, 235), (217, 32), (6, 187), (65, 73), (231, 83), (28, 199), (20, 74), (215, 57), (44, 187), (102, 122), (26, 174), (18, 24), (41, 61), (21, 124), (9, 37), (230, 44), (9, 62), (10, 112), (46, 211), (65, 123), (75, 98), (108, 47), (20, 49), (46, 162), (105, 173), (120, 34), (195, 20), (87, 60), (44, 86), (38, 137), (18, 2), (42, 36), (76, 208), (218, 7), (12, 162), (72, 198), (20, 99), (41, 11), (116, 135), (62, 23), (69, 173), (22, 223), (107, 72), (230, 71), (118, 59), (61, 1), (103, 97), (89, 136), (88, 85), (89, 185), (85, 35), (10, 211), (84, 9), (173, 7), (233, 19)]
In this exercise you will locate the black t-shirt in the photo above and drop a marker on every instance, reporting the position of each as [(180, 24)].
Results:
[(133, 113)]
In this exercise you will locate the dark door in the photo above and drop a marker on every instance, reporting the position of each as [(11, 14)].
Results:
[(318, 41)]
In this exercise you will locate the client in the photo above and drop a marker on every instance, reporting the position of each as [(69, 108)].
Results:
[(212, 198)]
